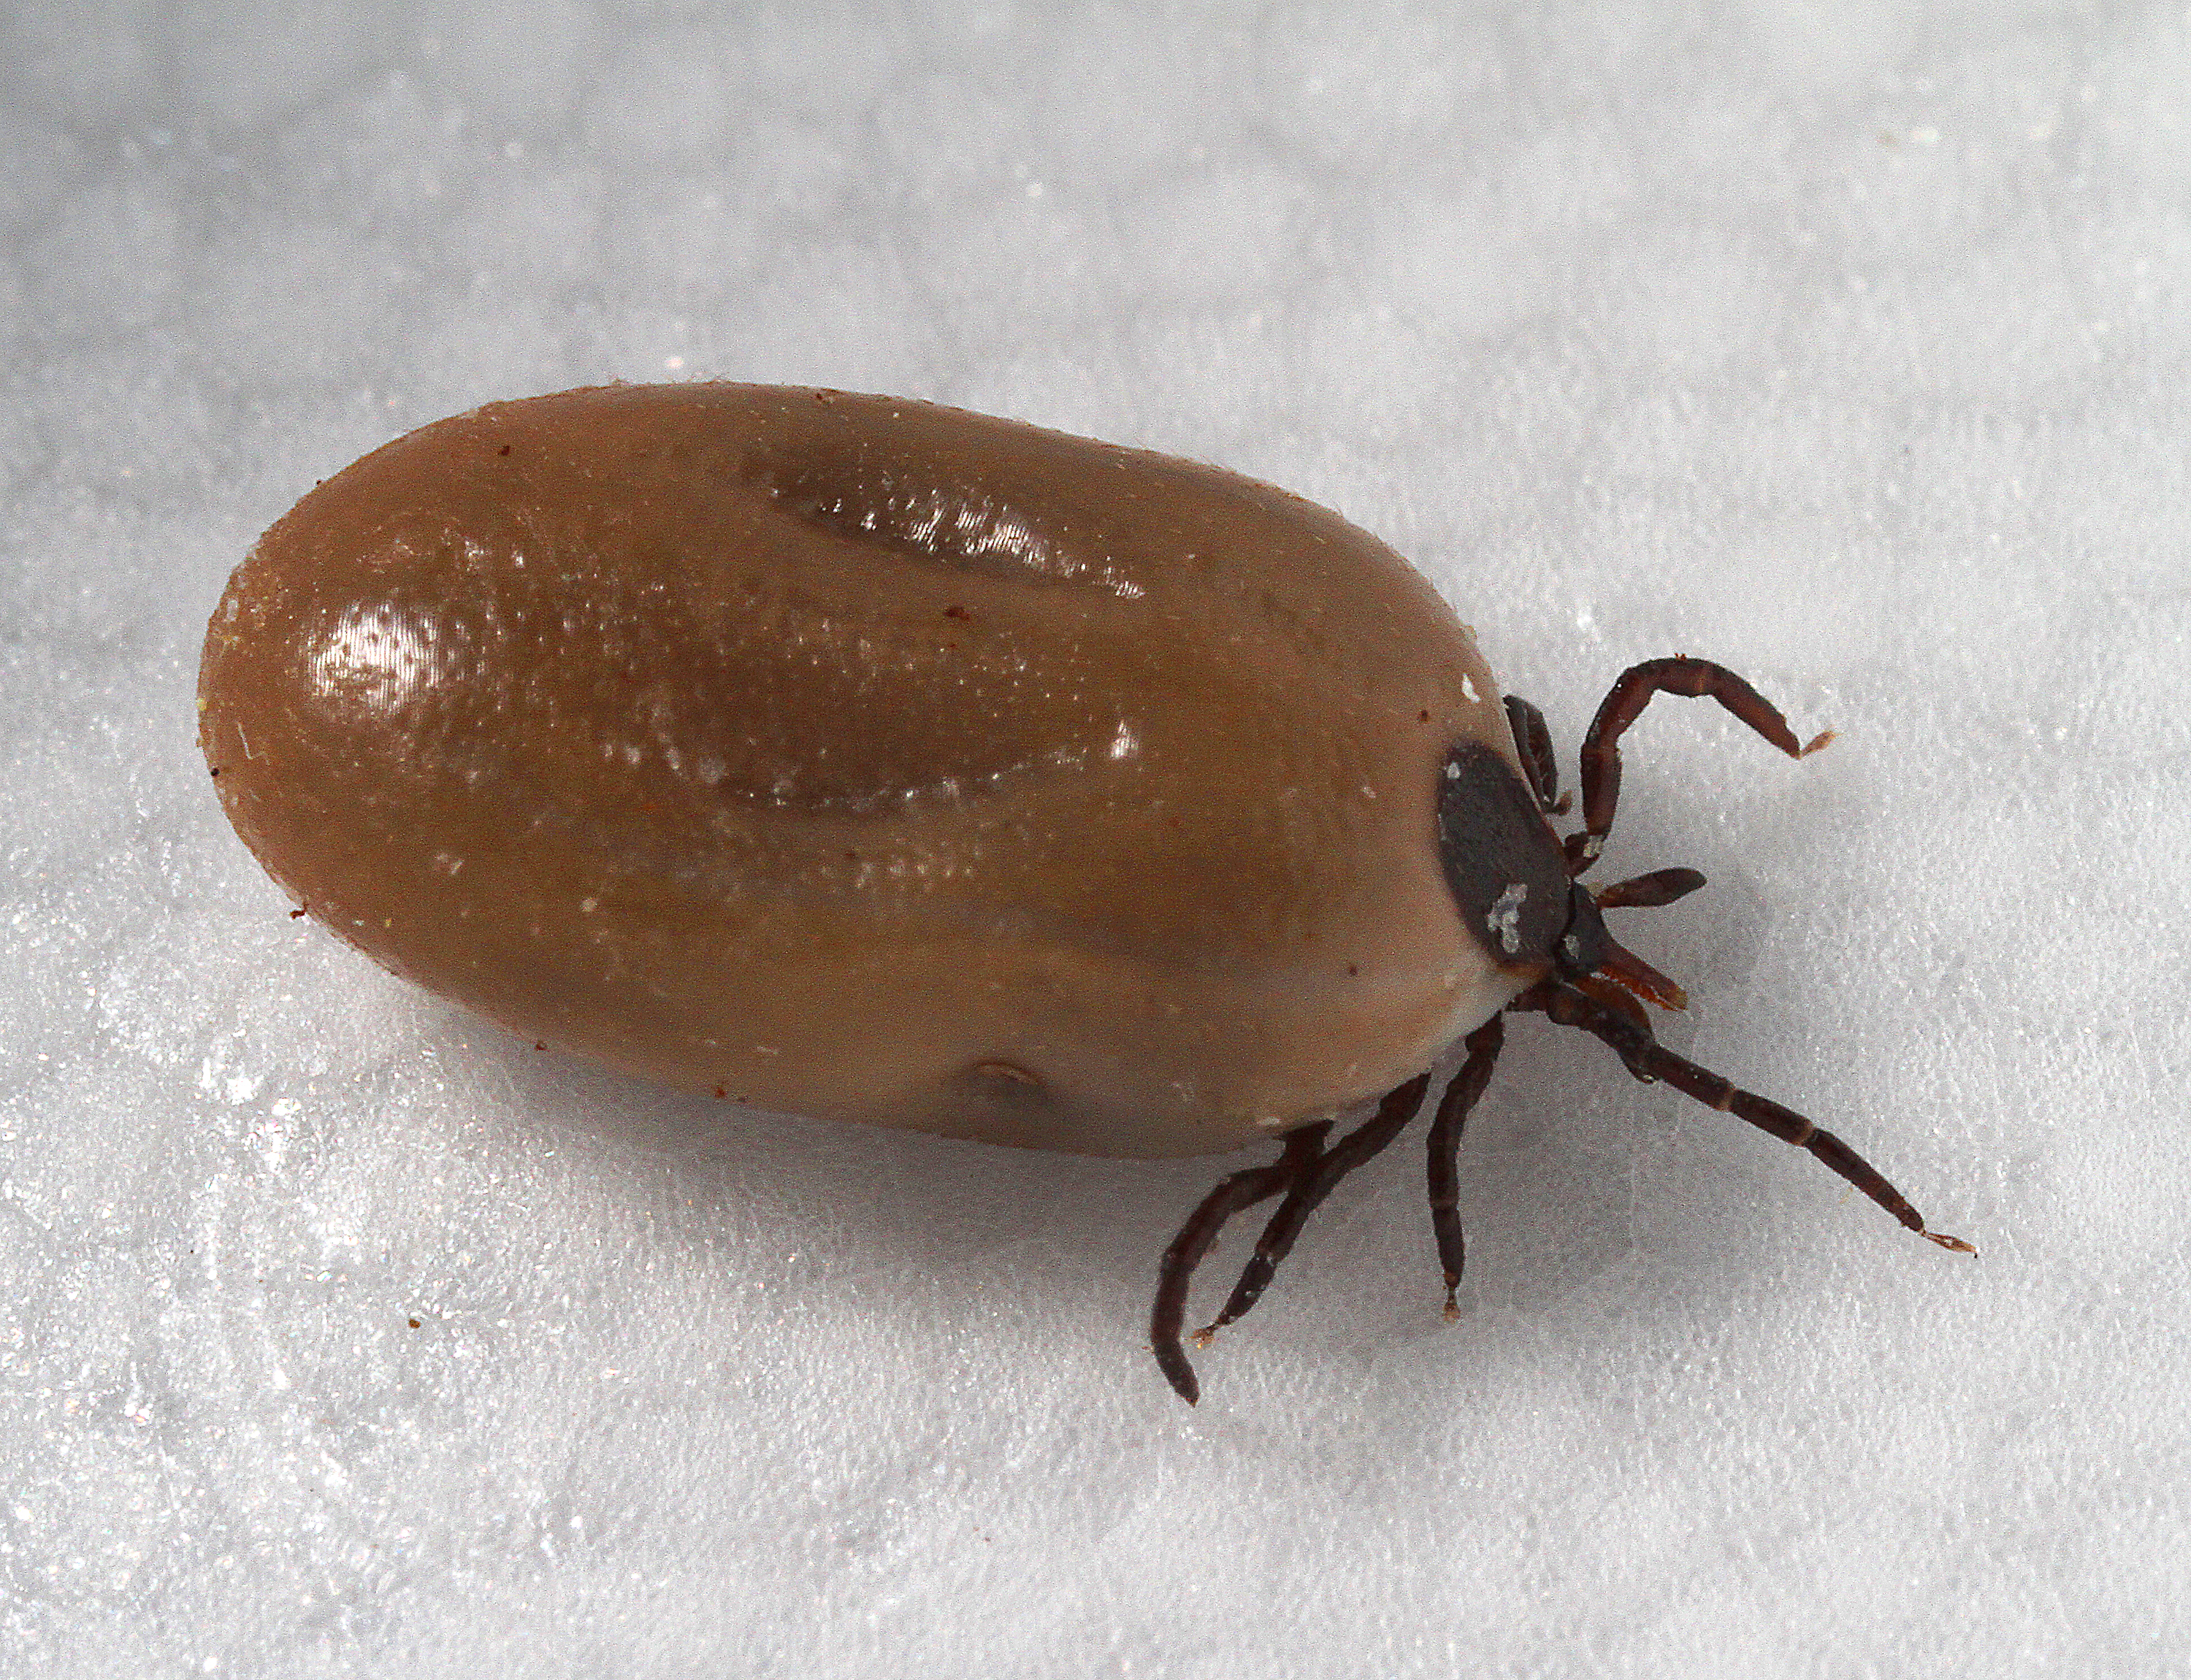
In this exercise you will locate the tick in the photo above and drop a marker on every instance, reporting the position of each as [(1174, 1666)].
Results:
[(870, 759)]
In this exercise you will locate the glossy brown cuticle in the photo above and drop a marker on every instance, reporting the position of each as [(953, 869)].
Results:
[(885, 762), (832, 751)]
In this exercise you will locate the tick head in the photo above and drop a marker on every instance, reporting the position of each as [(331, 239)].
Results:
[(1586, 943)]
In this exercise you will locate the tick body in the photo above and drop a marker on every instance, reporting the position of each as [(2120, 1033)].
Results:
[(875, 760)]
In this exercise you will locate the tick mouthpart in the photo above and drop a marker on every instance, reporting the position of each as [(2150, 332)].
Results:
[(1624, 967), (1660, 886)]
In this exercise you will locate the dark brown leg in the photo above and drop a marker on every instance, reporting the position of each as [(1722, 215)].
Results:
[(1460, 1096), (1303, 1148), (1695, 678), (1535, 742), (1307, 1194), (1649, 1060)]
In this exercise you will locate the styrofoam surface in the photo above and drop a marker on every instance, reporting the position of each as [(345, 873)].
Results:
[(1846, 342)]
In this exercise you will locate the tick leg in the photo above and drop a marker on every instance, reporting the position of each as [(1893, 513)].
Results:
[(1649, 1060), (1240, 1189), (1535, 742), (1307, 1194), (1695, 678), (1461, 1093)]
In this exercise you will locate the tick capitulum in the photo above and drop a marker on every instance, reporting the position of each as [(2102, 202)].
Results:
[(1517, 884)]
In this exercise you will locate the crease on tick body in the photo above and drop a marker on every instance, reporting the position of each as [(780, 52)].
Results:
[(937, 519)]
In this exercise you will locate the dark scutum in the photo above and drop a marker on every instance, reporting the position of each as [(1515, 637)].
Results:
[(1503, 864)]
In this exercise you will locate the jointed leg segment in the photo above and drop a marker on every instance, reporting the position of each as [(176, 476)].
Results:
[(1362, 1143), (1460, 1096), (1695, 678), (1630, 1039), (1535, 741), (1307, 1172), (1239, 1190)]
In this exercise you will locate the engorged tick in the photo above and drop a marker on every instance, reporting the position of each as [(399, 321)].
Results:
[(889, 763)]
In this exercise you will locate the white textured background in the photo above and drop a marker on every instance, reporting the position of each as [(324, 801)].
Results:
[(1846, 342)]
